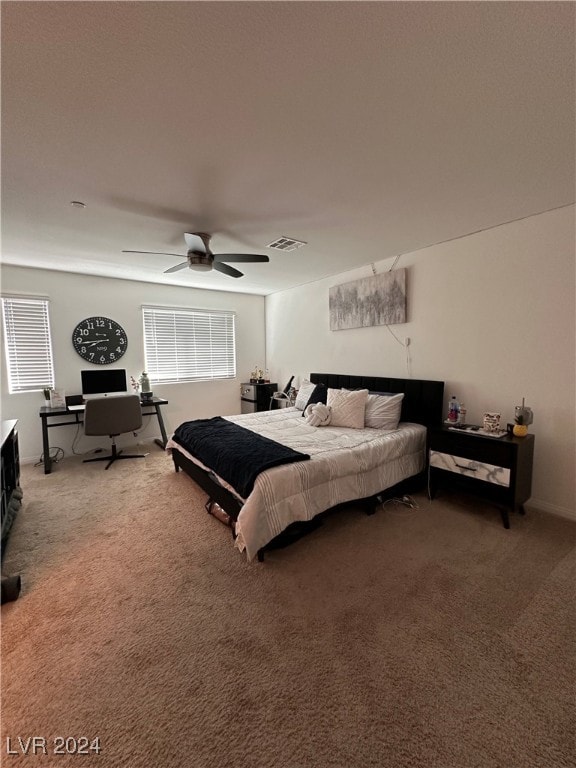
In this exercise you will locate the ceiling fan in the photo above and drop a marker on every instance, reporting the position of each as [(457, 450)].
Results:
[(201, 258)]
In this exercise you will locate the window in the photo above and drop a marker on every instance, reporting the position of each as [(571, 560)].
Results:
[(188, 344), (28, 346)]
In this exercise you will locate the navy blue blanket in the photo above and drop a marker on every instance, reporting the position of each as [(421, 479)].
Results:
[(236, 454)]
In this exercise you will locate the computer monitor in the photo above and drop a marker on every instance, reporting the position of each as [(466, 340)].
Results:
[(103, 382)]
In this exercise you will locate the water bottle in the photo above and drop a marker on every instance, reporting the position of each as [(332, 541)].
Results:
[(453, 409), (462, 414)]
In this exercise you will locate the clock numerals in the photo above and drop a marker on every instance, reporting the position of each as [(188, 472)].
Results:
[(99, 340)]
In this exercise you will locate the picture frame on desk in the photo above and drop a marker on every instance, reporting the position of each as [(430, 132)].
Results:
[(57, 398)]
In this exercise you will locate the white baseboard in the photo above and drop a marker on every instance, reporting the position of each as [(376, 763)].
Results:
[(553, 509), (29, 459), (124, 442)]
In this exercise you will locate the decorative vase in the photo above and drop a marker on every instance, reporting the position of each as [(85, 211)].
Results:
[(145, 382), (520, 430)]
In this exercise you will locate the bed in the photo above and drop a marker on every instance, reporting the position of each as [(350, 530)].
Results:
[(338, 465)]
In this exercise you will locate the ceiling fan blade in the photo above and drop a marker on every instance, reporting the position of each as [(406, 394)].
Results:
[(244, 258), (195, 243), (156, 253), (226, 269), (177, 268)]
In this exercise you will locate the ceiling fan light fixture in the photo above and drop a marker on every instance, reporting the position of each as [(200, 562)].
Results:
[(200, 262)]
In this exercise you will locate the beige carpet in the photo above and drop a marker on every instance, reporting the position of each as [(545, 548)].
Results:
[(429, 638)]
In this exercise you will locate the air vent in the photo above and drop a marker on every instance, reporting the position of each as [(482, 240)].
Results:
[(286, 244)]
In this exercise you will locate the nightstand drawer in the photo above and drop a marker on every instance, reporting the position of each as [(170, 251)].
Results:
[(489, 473), (489, 450)]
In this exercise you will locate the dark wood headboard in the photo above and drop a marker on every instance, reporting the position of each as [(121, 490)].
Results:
[(423, 401)]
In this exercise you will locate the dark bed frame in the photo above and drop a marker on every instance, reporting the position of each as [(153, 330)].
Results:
[(423, 403)]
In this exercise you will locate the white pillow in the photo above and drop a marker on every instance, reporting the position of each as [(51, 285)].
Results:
[(383, 411), (304, 393), (347, 407)]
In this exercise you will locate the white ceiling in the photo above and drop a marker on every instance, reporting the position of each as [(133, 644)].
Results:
[(365, 129)]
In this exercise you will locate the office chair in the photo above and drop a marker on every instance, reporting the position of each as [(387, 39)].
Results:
[(113, 416)]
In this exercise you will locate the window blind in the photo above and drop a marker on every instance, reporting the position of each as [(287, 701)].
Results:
[(28, 345), (188, 344)]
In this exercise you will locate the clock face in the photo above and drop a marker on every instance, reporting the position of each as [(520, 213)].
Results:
[(100, 340)]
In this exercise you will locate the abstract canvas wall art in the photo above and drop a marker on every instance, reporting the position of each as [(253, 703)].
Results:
[(376, 300)]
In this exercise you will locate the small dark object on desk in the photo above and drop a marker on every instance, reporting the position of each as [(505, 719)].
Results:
[(74, 400)]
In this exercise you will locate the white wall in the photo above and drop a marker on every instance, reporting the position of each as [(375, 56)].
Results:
[(492, 315), (75, 297)]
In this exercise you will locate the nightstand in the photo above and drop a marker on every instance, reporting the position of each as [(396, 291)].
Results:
[(499, 469)]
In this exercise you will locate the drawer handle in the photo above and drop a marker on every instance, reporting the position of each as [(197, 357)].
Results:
[(467, 469)]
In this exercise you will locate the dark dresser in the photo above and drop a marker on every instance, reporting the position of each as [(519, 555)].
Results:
[(11, 499), (11, 492)]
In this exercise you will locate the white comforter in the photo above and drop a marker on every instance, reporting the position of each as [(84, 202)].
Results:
[(345, 464)]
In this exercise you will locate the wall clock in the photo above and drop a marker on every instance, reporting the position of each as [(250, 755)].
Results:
[(100, 340)]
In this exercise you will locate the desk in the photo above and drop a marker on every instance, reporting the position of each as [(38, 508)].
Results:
[(47, 414)]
